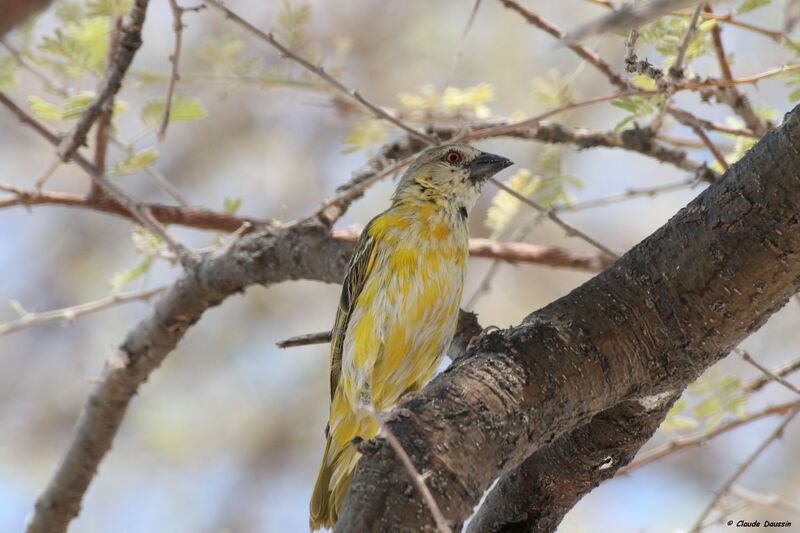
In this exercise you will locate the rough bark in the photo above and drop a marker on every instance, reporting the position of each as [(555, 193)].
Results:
[(536, 495), (650, 324)]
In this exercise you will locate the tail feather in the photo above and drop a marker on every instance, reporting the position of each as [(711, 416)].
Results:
[(333, 481)]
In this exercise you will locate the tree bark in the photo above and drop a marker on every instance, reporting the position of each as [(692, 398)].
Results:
[(536, 495), (648, 325)]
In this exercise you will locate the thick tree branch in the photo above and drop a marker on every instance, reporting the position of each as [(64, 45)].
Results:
[(265, 257), (536, 495), (639, 329)]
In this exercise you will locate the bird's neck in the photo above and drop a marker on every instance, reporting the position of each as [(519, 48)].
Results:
[(431, 204)]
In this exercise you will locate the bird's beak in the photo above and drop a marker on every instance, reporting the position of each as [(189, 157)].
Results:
[(487, 165)]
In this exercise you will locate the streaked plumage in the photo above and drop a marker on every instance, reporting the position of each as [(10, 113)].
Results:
[(399, 306)]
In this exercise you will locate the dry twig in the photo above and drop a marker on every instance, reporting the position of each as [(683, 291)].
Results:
[(69, 314), (776, 434)]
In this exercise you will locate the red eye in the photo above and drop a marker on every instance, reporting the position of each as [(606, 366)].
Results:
[(453, 158)]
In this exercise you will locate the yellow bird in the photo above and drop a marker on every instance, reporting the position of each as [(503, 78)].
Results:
[(399, 306)]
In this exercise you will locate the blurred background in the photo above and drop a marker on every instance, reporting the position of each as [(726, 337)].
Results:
[(227, 435)]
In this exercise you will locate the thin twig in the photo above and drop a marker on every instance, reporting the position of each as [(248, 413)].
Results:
[(627, 195), (321, 337), (177, 28), (69, 314), (585, 53), (613, 77), (332, 209), (418, 480), (698, 130), (777, 433), (696, 440), (719, 48), (460, 50), (160, 179), (103, 129), (676, 70), (766, 371), (318, 71), (782, 371), (570, 230)]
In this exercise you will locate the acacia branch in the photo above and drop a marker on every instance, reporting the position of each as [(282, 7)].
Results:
[(205, 219)]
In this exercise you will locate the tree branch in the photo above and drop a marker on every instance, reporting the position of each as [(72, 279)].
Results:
[(265, 257), (536, 495), (205, 219)]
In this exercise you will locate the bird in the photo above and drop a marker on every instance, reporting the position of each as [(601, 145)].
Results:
[(399, 306)]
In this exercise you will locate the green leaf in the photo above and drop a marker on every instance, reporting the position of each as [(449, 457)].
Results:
[(707, 407), (145, 241), (123, 277), (108, 8), (291, 22), (231, 205), (751, 5), (505, 206), (364, 134), (18, 308), (555, 89), (44, 109), (78, 47), (8, 73), (135, 162), (76, 104), (183, 109), (679, 422)]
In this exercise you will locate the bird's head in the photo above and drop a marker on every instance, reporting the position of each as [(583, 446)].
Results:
[(452, 174)]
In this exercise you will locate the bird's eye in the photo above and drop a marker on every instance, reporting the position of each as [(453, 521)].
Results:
[(453, 158)]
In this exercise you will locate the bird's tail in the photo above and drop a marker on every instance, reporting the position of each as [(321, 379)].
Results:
[(335, 474)]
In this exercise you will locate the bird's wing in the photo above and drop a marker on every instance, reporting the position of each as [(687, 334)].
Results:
[(358, 270)]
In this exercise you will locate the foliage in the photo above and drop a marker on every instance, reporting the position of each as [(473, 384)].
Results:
[(148, 247), (554, 89), (365, 133), (667, 34), (135, 161), (714, 397), (639, 107), (751, 5), (426, 103), (291, 22), (70, 109), (183, 109)]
